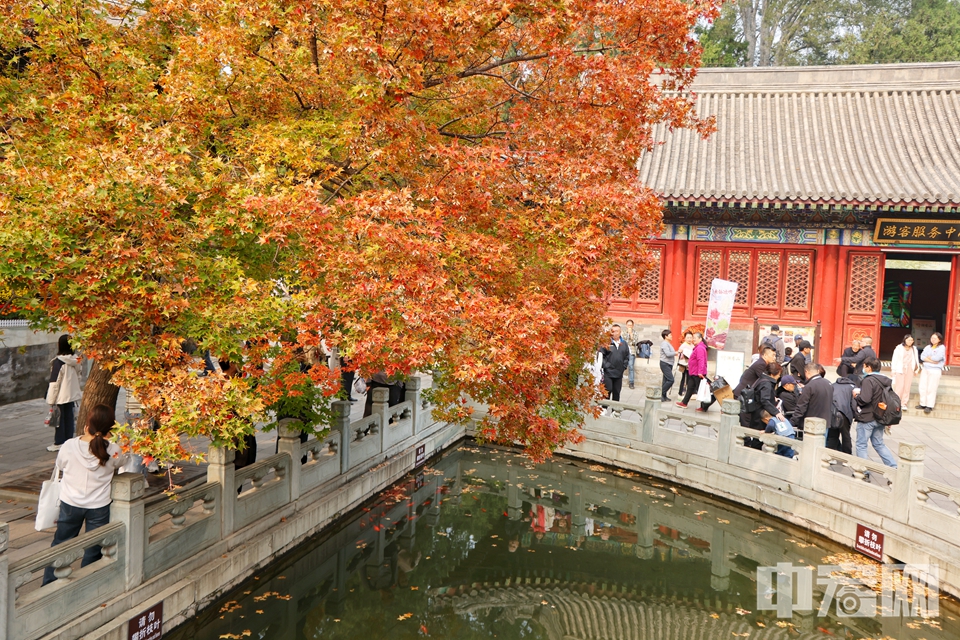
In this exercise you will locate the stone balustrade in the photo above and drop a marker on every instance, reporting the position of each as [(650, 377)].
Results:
[(824, 490), (150, 545)]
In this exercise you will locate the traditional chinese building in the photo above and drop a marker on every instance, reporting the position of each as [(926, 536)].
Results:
[(827, 193)]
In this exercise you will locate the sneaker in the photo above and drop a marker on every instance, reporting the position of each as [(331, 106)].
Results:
[(920, 406), (680, 404), (631, 385), (53, 447), (700, 410), (928, 409), (664, 399)]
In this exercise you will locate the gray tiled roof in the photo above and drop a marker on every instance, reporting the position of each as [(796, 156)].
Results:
[(882, 134)]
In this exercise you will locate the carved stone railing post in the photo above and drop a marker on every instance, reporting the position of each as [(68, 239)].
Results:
[(381, 407), (729, 420), (909, 467), (127, 507), (814, 441), (651, 406), (412, 395), (288, 432), (4, 579), (220, 469), (341, 423)]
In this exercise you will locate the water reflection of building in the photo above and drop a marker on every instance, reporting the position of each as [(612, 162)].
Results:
[(689, 565)]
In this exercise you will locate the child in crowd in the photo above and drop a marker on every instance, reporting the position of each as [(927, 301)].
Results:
[(780, 428)]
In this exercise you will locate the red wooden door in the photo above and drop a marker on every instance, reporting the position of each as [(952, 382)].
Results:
[(864, 297), (952, 334)]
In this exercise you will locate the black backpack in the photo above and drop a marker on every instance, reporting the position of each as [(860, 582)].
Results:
[(749, 402), (889, 409)]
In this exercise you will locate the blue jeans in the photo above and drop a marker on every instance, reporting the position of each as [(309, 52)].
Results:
[(873, 431), (633, 358), (68, 527)]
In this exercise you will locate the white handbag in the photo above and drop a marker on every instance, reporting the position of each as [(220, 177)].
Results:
[(48, 509), (703, 391), (53, 389), (359, 386)]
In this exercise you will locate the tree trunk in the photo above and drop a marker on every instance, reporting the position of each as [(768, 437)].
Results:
[(98, 390), (748, 17)]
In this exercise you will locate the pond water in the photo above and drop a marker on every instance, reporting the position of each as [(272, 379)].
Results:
[(482, 543)]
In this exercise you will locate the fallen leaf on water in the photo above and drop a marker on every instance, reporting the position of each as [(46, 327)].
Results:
[(260, 611), (722, 521), (742, 612), (423, 630), (414, 588), (715, 616), (405, 616)]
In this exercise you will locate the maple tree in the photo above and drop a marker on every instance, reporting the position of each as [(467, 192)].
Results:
[(429, 186)]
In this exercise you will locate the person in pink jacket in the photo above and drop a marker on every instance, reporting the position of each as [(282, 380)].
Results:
[(697, 370)]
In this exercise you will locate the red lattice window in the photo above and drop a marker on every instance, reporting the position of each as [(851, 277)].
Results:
[(650, 287), (768, 279), (798, 281), (738, 270), (708, 269), (616, 286), (864, 276), (773, 283)]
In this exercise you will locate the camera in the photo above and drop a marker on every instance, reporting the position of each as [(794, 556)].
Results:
[(854, 602)]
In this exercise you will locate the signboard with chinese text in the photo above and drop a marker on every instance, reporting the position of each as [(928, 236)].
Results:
[(869, 542), (723, 293), (906, 231), (148, 625), (421, 455)]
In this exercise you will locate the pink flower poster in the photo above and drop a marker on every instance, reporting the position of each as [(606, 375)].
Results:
[(720, 310)]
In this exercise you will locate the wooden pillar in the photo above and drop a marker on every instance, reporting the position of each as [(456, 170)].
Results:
[(832, 287), (677, 287)]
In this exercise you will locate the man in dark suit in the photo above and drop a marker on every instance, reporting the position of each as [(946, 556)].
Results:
[(816, 398), (856, 361), (756, 369), (616, 359)]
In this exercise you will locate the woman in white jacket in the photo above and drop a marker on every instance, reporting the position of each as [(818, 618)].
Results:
[(88, 464), (905, 364), (65, 368)]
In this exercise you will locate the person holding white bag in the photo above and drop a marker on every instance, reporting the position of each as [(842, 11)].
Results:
[(64, 390), (88, 463)]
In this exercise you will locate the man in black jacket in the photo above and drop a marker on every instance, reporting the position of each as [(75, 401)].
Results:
[(856, 361), (844, 411), (616, 359), (816, 398), (869, 397), (798, 365), (755, 370)]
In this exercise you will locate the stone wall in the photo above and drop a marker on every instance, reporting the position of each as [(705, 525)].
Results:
[(25, 363)]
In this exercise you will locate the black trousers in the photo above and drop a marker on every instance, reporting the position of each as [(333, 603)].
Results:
[(668, 378), (693, 385), (64, 430), (839, 438), (613, 386), (684, 380)]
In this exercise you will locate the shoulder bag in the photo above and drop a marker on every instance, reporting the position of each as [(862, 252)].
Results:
[(48, 509)]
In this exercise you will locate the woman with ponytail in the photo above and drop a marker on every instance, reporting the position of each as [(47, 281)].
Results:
[(88, 464)]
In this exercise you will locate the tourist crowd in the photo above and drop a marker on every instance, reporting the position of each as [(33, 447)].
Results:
[(782, 386)]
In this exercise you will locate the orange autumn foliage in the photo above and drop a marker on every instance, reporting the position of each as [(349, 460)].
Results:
[(430, 186)]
